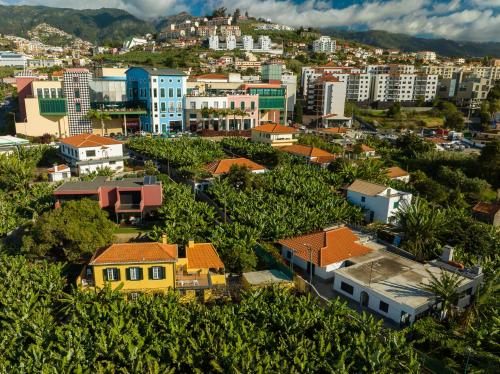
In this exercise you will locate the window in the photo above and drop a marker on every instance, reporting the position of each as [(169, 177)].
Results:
[(192, 105), (76, 79), (395, 205), (78, 107), (252, 105), (39, 92), (155, 107), (179, 92), (157, 272), (112, 162), (111, 274), (384, 307), (170, 92), (77, 93), (46, 93), (53, 93), (154, 80), (59, 92), (134, 274), (363, 199), (155, 92), (179, 106), (346, 288), (289, 254), (162, 107), (162, 92), (90, 153), (232, 104), (242, 105)]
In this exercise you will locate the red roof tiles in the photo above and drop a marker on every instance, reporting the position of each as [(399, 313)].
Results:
[(88, 140)]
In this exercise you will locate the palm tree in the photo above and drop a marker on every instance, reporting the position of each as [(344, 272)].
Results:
[(486, 298), (420, 226), (99, 116), (205, 113), (444, 287), (224, 113)]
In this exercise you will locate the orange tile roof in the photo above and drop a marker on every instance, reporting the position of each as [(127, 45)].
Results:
[(327, 247), (203, 256), (366, 148), (260, 85), (275, 129), (312, 152), (211, 76), (487, 208), (437, 140), (334, 130), (59, 168), (76, 70), (223, 166), (135, 252), (88, 140), (396, 171)]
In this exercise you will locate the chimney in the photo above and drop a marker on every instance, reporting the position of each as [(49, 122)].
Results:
[(55, 168), (191, 243), (447, 254), (164, 239)]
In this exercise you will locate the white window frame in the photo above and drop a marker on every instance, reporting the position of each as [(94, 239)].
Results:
[(156, 272), (111, 275), (134, 274)]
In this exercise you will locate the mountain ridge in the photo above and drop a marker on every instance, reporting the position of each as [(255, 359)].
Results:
[(115, 25)]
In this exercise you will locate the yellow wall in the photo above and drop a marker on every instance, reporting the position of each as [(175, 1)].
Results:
[(218, 279), (114, 126), (145, 284), (37, 125)]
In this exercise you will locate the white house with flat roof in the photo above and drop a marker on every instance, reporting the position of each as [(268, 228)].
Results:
[(380, 202), (391, 285)]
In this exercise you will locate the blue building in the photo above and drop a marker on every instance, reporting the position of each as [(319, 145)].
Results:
[(163, 91)]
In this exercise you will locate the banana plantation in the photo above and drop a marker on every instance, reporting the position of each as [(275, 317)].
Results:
[(47, 329)]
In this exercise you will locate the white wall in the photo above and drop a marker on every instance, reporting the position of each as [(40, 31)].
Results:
[(113, 165), (381, 205), (395, 308), (322, 272)]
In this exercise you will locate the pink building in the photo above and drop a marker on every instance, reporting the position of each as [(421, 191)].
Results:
[(126, 197), (24, 90), (247, 103)]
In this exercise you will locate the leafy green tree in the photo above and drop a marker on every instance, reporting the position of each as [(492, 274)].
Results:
[(444, 286), (100, 116), (454, 120), (73, 232), (411, 145), (489, 162), (219, 12), (299, 112), (239, 177), (420, 226), (150, 168), (395, 110)]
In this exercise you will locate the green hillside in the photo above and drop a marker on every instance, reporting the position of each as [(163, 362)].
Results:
[(91, 24), (408, 43)]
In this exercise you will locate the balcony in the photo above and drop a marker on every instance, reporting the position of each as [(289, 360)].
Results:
[(129, 207), (120, 108), (191, 281), (53, 107)]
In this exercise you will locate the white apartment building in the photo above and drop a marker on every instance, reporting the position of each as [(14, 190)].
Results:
[(488, 72), (230, 42), (86, 153), (443, 71), (264, 43), (44, 62), (358, 87), (13, 59), (324, 44), (425, 87), (247, 41), (213, 42), (226, 30), (381, 203), (426, 56)]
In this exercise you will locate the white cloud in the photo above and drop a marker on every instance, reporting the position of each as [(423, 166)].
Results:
[(476, 20)]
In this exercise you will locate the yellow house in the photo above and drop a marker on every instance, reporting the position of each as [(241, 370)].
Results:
[(274, 135), (156, 267), (140, 267), (201, 273)]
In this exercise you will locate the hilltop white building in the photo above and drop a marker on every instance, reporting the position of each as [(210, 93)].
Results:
[(324, 44)]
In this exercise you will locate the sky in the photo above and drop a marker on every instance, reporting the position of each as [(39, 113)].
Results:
[(473, 20)]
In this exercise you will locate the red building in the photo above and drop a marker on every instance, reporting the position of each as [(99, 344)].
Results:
[(129, 197)]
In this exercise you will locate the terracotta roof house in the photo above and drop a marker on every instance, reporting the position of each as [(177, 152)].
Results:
[(396, 173), (366, 151), (488, 212), (223, 166), (311, 154), (274, 135), (327, 250), (379, 202), (59, 173), (156, 267), (86, 153)]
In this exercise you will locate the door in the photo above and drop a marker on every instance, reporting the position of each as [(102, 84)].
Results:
[(364, 299)]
